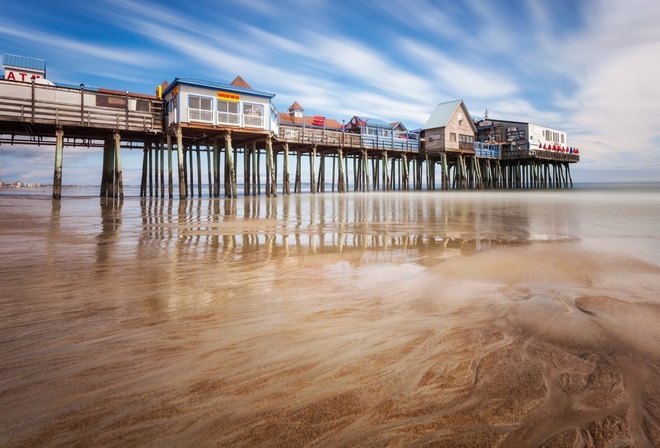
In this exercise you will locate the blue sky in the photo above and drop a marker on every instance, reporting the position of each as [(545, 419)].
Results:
[(588, 67)]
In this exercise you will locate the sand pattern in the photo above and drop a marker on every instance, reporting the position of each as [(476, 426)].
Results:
[(129, 331)]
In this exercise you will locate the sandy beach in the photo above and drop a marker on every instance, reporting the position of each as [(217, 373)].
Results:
[(516, 319)]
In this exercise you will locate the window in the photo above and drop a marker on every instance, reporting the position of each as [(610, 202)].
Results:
[(254, 114), (200, 108), (228, 112), (466, 138), (200, 102), (452, 137)]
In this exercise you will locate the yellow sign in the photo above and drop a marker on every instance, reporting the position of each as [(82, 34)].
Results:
[(226, 96)]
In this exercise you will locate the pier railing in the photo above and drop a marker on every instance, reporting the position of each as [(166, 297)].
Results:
[(489, 150), (540, 154), (326, 137), (55, 105)]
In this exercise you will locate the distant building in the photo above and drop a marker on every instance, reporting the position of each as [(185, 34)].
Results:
[(516, 135), (370, 127), (295, 116), (449, 128), (23, 69)]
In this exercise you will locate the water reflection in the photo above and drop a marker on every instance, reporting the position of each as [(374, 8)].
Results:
[(261, 227)]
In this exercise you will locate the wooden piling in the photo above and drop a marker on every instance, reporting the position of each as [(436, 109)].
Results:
[(231, 171), (119, 191), (59, 155), (341, 182), (183, 194), (271, 178), (312, 170), (286, 186)]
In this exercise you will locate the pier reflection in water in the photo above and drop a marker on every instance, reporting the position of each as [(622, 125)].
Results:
[(266, 228), (338, 320)]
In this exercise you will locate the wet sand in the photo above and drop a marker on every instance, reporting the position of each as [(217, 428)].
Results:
[(382, 320)]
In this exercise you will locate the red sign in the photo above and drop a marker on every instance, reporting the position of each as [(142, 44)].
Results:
[(11, 75)]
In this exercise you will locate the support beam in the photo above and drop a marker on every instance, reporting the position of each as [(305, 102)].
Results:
[(271, 168), (341, 182), (231, 170), (119, 179), (312, 169), (286, 186), (170, 180), (183, 194), (216, 168), (59, 155)]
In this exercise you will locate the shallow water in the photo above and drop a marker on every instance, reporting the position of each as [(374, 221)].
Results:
[(510, 318)]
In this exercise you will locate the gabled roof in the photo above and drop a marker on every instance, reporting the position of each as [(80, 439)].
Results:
[(375, 122), (240, 82), (12, 60), (217, 85), (296, 106), (442, 114), (307, 121), (399, 125)]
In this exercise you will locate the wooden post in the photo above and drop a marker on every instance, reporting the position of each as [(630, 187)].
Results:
[(255, 169), (170, 180), (189, 170), (216, 168), (199, 172), (386, 178), (312, 169), (404, 173), (286, 186), (334, 169), (246, 171), (341, 182), (153, 170), (183, 194), (119, 192), (146, 159), (297, 186), (107, 180), (320, 186), (271, 172), (258, 175), (365, 167), (231, 171), (161, 168), (59, 153), (209, 170)]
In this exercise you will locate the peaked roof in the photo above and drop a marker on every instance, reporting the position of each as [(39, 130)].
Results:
[(442, 114), (295, 106), (308, 121), (375, 122), (12, 60), (217, 85), (240, 82), (400, 125)]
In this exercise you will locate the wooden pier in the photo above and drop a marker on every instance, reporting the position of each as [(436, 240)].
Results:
[(207, 153)]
